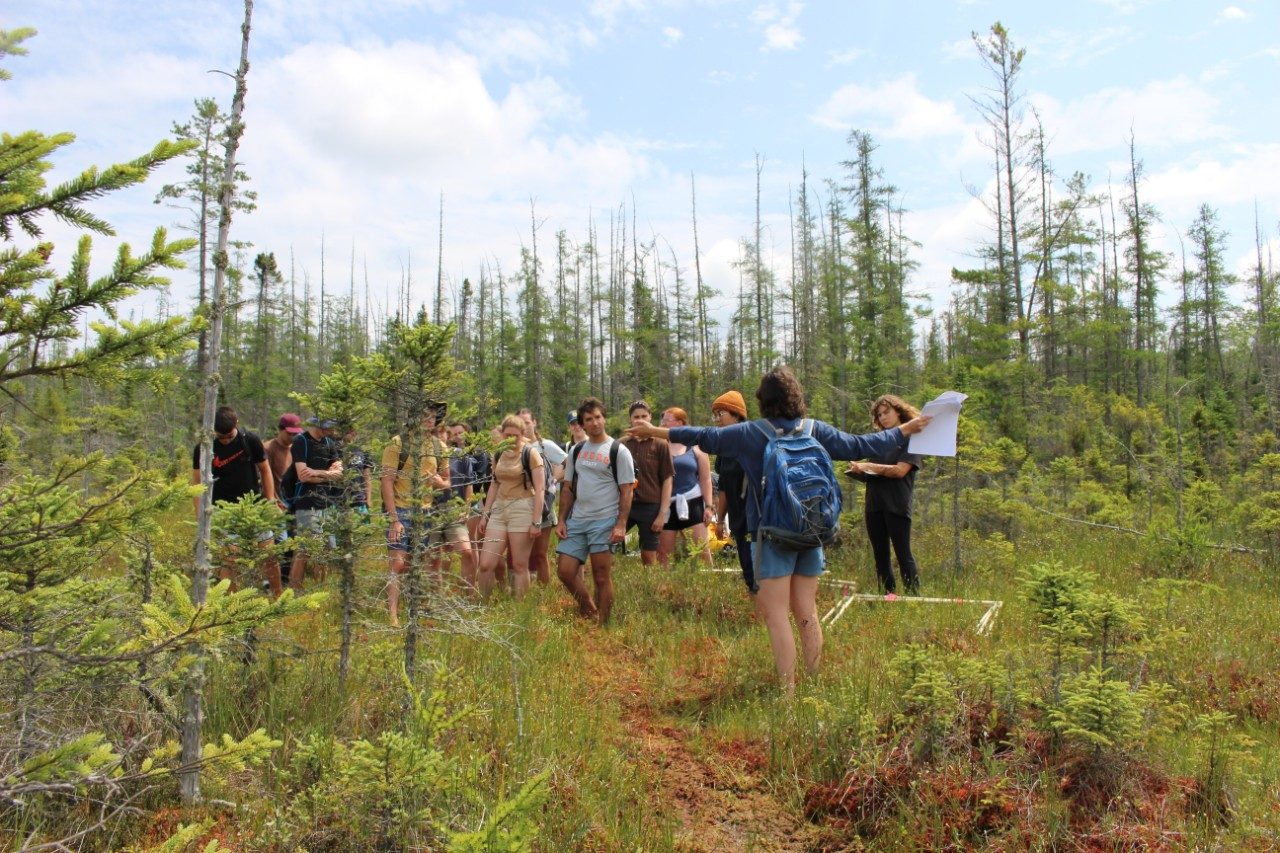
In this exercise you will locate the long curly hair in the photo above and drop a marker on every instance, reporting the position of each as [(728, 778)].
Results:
[(905, 410), (780, 394)]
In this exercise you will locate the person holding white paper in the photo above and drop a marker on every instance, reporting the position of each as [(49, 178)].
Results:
[(891, 480)]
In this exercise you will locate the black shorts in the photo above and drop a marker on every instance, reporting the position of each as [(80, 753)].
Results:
[(696, 510), (641, 517)]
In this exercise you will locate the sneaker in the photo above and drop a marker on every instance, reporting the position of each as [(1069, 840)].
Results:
[(889, 596)]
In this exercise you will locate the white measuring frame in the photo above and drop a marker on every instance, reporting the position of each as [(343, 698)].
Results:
[(848, 597)]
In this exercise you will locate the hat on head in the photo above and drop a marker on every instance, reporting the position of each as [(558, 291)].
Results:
[(323, 423), (290, 423), (573, 416), (731, 401)]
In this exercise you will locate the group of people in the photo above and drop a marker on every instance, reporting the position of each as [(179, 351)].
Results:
[(496, 511)]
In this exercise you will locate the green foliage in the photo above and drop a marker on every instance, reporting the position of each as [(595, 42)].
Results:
[(393, 789), (237, 529), (1098, 711), (184, 840), (513, 825), (1222, 747), (929, 698), (1259, 511), (11, 45)]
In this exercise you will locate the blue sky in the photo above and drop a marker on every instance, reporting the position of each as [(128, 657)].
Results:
[(361, 113)]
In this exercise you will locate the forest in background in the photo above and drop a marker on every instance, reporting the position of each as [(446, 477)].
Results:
[(1140, 376), (1111, 384)]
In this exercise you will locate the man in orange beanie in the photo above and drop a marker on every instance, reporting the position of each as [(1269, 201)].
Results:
[(731, 408)]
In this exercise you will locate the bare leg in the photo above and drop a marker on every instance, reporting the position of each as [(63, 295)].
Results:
[(540, 556), (270, 567), (466, 561), (804, 605), (298, 572), (396, 563), (570, 573), (666, 546), (602, 577), (702, 539), (520, 544), (773, 599), (477, 541), (492, 557)]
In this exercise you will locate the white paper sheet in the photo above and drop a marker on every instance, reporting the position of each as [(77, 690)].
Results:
[(939, 437)]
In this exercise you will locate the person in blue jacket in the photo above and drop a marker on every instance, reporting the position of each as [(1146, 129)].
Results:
[(788, 579)]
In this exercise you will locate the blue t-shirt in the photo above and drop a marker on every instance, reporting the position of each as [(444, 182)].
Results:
[(747, 441)]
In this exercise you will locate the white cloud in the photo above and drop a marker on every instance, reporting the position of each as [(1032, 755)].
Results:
[(1233, 13), (1163, 112), (778, 26), (844, 57), (960, 49), (1126, 7), (672, 34), (96, 91), (1240, 176), (1077, 48), (949, 235), (894, 110), (501, 41), (360, 142)]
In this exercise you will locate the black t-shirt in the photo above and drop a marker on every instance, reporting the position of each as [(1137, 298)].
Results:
[(235, 466), (358, 462), (481, 472), (890, 494), (320, 454), (461, 474), (733, 483)]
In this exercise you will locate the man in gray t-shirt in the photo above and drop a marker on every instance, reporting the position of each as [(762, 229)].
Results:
[(594, 505)]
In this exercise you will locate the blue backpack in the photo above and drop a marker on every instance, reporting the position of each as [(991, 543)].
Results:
[(802, 500)]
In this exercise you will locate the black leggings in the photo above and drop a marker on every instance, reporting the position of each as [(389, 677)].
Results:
[(883, 528)]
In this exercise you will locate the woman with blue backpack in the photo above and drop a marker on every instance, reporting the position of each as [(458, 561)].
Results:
[(793, 503)]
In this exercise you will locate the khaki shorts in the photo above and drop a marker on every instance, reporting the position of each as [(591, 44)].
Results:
[(456, 532), (511, 515)]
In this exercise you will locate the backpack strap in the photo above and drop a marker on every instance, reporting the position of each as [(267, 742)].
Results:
[(770, 431), (527, 473), (613, 461), (306, 457), (253, 467), (404, 455), (573, 460)]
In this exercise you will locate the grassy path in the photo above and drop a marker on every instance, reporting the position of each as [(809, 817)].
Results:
[(719, 793)]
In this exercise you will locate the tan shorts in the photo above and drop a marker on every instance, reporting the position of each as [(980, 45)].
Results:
[(456, 532), (511, 515)]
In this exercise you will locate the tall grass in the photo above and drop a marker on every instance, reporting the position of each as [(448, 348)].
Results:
[(686, 656)]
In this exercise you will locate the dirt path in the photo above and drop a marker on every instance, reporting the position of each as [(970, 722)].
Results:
[(722, 800)]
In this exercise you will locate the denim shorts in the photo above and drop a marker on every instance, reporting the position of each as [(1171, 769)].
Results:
[(405, 517), (586, 537), (773, 562)]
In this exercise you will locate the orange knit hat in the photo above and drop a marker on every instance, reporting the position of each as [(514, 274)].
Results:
[(731, 401)]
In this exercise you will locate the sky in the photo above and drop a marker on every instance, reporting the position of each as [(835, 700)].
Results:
[(362, 114)]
